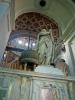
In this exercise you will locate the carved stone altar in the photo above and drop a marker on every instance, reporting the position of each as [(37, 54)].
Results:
[(50, 89)]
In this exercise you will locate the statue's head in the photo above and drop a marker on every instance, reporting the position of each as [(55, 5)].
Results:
[(44, 32)]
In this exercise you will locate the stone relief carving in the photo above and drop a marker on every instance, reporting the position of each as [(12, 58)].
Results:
[(49, 90), (50, 93)]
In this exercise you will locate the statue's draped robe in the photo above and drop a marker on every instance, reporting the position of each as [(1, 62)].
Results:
[(45, 48)]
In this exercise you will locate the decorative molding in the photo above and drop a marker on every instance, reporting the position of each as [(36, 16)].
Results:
[(69, 29), (34, 75)]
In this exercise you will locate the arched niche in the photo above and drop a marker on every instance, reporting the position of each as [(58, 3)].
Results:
[(33, 23)]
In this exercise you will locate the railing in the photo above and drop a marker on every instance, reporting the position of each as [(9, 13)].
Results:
[(23, 85)]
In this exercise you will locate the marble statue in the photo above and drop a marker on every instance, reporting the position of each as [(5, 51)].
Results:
[(45, 47)]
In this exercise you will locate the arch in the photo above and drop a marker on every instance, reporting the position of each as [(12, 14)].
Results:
[(34, 22)]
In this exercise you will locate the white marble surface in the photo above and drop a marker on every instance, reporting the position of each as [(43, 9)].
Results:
[(49, 70)]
